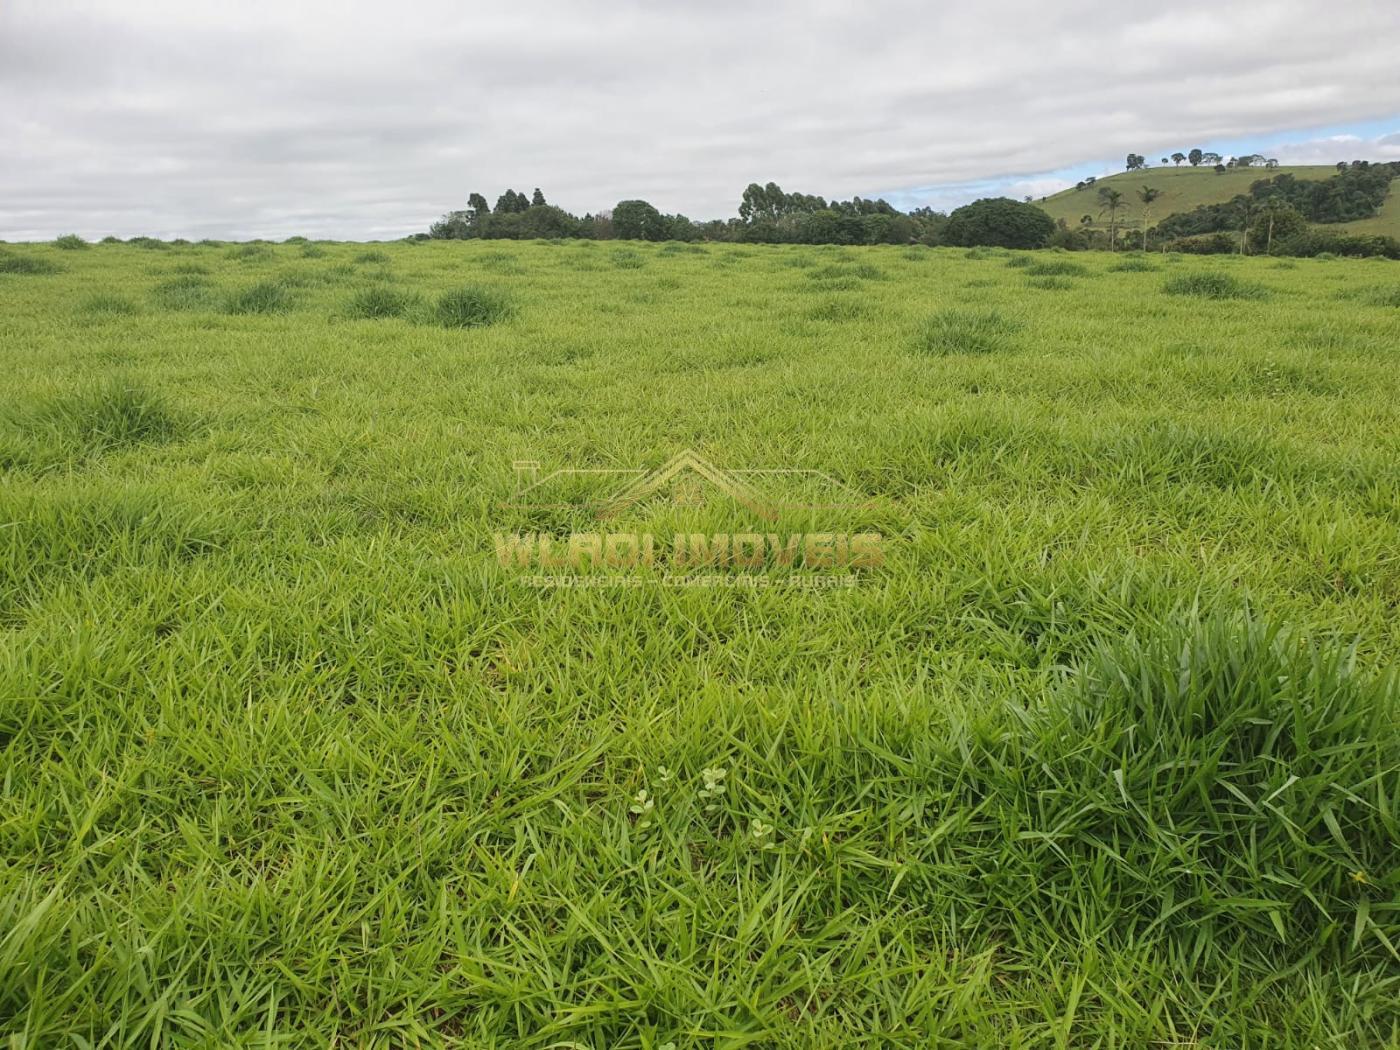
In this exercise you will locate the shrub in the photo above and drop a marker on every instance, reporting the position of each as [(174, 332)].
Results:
[(1316, 243), (27, 264), (1211, 285), (153, 244), (471, 307), (265, 297), (1205, 244), (999, 222), (966, 332), (379, 302), (71, 242)]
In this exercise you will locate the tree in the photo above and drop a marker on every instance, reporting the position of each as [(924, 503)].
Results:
[(477, 207), (1195, 157), (1164, 162), (1219, 168), (1210, 158), (1147, 195), (638, 221), (999, 222), (1276, 219), (537, 200), (1136, 162), (454, 226), (1272, 162), (1341, 165), (1111, 200), (1178, 157)]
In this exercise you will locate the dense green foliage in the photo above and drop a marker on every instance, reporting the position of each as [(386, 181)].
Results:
[(1105, 754), (998, 222)]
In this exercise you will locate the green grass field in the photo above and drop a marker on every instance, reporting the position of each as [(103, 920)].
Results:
[(1105, 754), (1185, 188)]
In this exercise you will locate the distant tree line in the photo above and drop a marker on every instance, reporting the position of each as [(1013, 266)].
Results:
[(767, 214), (1273, 216)]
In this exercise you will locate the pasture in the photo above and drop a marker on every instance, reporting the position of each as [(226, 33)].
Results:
[(1105, 753)]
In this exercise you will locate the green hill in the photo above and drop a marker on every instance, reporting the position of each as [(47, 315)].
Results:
[(1185, 188)]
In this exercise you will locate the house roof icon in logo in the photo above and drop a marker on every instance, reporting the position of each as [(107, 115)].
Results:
[(614, 491)]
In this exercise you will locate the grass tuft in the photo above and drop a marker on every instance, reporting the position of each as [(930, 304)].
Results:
[(189, 291), (265, 297), (966, 332), (1211, 285), (471, 306), (114, 414), (380, 302), (27, 264)]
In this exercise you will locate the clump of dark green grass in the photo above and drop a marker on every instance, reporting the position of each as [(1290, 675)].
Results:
[(189, 291), (115, 414), (966, 332), (70, 242), (680, 248), (1050, 284), (265, 297), (1220, 783), (373, 258), (1056, 268), (27, 264), (1384, 297), (312, 251), (150, 244), (66, 539), (104, 306), (471, 306), (500, 262), (627, 259), (249, 252), (839, 309), (380, 302), (1018, 262), (1132, 265), (1212, 285)]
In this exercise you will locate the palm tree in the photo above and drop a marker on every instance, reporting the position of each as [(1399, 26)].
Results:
[(1111, 200), (1147, 195)]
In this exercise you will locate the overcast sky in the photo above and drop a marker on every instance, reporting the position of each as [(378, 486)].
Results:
[(243, 118)]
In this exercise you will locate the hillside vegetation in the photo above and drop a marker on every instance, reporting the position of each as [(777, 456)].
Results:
[(1185, 188)]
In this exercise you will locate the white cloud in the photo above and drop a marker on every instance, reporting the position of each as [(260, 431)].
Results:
[(359, 119)]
